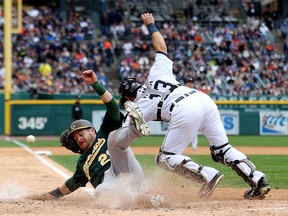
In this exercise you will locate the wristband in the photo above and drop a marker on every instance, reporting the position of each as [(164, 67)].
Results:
[(98, 88), (56, 193), (152, 28)]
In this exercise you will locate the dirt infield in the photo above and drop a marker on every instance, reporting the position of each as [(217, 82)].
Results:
[(23, 174)]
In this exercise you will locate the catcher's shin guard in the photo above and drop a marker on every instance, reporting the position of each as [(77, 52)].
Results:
[(189, 169), (226, 155), (182, 166)]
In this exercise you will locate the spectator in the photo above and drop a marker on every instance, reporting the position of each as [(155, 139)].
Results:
[(284, 28), (108, 53), (275, 19), (267, 17), (251, 13), (127, 47), (188, 11)]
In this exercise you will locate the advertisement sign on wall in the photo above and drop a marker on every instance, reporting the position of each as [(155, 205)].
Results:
[(230, 119), (273, 122)]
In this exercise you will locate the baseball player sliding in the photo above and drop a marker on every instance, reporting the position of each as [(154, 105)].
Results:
[(94, 164), (188, 112)]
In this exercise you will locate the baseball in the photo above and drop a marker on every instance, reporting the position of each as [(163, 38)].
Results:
[(156, 200), (30, 139)]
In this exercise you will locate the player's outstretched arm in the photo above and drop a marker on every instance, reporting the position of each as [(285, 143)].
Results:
[(111, 105), (54, 194), (157, 39), (90, 78)]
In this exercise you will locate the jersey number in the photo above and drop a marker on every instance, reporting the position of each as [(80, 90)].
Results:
[(165, 85), (103, 158)]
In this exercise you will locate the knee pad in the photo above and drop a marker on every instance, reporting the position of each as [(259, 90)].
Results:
[(218, 153), (181, 165)]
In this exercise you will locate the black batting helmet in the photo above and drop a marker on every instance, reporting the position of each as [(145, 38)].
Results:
[(79, 125), (190, 79), (128, 88)]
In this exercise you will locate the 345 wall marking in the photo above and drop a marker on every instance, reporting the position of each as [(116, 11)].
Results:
[(37, 123)]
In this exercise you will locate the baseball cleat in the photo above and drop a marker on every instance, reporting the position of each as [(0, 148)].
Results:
[(136, 117), (207, 189), (259, 192)]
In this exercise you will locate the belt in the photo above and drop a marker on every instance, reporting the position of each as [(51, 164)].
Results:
[(159, 108), (181, 98), (160, 103)]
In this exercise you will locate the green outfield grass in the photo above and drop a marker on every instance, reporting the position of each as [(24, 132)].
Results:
[(157, 141), (274, 166)]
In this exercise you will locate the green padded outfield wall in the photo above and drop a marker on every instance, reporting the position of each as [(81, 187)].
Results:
[(45, 119), (48, 115), (250, 119), (53, 119), (51, 114)]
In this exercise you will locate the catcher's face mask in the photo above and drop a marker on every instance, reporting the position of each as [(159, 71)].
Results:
[(128, 88)]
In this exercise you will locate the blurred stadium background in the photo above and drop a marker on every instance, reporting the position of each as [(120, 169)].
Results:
[(236, 51)]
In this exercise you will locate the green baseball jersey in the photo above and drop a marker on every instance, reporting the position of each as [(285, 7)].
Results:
[(91, 165)]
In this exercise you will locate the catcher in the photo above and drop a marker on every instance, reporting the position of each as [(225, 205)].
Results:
[(94, 164), (188, 112)]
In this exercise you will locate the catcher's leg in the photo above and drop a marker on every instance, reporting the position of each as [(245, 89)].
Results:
[(229, 156), (214, 130), (186, 167), (186, 120)]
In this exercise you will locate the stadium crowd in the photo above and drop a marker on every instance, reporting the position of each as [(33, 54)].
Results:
[(50, 51), (225, 59), (229, 59)]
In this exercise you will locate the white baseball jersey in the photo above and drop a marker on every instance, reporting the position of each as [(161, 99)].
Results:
[(187, 110)]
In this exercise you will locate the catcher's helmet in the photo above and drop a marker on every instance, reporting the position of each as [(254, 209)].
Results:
[(79, 125), (128, 87), (190, 79)]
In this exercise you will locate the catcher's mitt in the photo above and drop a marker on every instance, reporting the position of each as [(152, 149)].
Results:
[(69, 143)]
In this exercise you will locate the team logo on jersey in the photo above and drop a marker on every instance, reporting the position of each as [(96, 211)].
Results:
[(103, 158)]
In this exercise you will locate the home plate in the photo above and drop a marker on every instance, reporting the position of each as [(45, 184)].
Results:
[(43, 152)]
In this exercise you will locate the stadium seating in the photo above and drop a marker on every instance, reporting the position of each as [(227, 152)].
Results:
[(221, 54)]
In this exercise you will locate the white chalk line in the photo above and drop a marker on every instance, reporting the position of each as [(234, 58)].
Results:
[(268, 209), (47, 163)]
